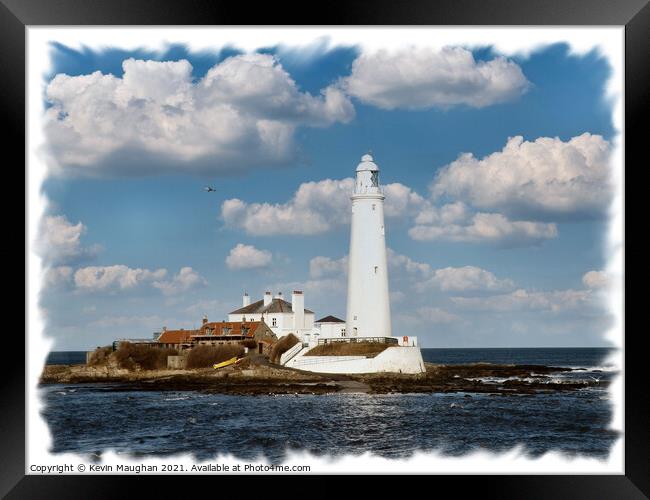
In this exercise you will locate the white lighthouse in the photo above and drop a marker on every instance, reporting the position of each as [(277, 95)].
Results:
[(368, 313)]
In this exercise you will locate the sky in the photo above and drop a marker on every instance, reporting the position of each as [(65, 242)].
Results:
[(496, 172)]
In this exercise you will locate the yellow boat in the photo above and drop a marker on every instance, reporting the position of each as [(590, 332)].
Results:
[(224, 363)]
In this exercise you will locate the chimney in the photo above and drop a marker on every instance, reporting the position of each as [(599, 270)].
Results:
[(205, 319), (298, 308), (247, 300), (267, 298)]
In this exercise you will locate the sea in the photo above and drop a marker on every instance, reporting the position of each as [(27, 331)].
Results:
[(90, 419)]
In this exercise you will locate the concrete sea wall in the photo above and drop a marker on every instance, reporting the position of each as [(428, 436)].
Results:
[(393, 359)]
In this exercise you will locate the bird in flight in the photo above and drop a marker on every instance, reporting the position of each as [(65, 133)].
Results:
[(209, 189)]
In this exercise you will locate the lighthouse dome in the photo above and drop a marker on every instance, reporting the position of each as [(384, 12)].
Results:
[(367, 164)]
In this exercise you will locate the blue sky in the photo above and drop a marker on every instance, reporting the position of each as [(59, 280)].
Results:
[(128, 212)]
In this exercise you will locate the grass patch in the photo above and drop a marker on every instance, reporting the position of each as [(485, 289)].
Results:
[(367, 349)]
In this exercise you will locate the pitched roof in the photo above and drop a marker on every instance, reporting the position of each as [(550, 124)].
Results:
[(276, 305), (330, 319), (176, 336), (228, 328)]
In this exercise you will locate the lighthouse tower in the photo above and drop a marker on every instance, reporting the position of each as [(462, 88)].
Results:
[(368, 312)]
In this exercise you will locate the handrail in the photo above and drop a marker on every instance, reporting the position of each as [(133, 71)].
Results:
[(352, 340), (288, 355)]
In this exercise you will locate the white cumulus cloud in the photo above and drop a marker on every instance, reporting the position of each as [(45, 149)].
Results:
[(315, 208), (423, 276), (456, 222), (248, 257), (596, 279), (60, 240), (463, 279), (318, 207), (544, 178), (421, 78), (398, 262), (113, 278), (321, 266), (186, 279), (401, 200), (448, 279), (156, 118)]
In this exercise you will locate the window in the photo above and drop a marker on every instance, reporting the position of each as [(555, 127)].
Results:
[(374, 206), (355, 319), (274, 322), (375, 179), (376, 267)]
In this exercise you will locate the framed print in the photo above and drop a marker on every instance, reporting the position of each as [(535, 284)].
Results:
[(383, 241)]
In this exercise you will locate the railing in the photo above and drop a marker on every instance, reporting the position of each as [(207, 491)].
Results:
[(352, 340), (368, 190), (284, 359)]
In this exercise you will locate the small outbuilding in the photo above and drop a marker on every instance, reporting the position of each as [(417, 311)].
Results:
[(331, 326)]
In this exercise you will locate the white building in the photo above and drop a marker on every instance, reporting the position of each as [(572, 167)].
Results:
[(331, 327), (280, 316), (368, 313)]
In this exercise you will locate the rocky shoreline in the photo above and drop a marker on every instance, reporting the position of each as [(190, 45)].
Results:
[(268, 379)]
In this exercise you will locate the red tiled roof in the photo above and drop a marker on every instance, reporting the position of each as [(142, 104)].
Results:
[(176, 336), (228, 328)]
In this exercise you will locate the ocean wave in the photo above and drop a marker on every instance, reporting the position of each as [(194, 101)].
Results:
[(542, 379), (604, 368)]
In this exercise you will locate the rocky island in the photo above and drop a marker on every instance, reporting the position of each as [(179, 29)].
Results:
[(258, 376)]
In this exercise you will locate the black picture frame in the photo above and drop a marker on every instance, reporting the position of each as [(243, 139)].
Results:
[(15, 15)]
